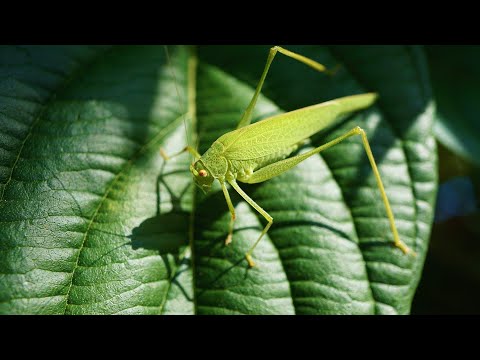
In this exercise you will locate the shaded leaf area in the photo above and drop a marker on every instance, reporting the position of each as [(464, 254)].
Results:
[(455, 76), (450, 280), (94, 221)]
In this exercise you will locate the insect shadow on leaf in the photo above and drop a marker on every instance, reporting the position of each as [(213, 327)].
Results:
[(166, 232)]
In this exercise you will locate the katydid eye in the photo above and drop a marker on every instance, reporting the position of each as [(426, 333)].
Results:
[(202, 173)]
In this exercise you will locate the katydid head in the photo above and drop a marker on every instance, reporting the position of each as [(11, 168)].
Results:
[(202, 176)]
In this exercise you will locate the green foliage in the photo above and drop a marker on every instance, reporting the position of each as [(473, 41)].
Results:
[(93, 221), (455, 77)]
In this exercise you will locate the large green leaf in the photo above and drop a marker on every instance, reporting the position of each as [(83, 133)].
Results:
[(92, 220)]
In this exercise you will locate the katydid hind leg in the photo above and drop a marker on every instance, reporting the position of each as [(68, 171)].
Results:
[(257, 207), (280, 167), (396, 238), (247, 115)]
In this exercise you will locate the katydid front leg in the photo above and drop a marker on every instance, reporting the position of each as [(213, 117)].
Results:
[(190, 149)]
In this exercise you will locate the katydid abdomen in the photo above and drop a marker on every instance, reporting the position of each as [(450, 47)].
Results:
[(240, 153)]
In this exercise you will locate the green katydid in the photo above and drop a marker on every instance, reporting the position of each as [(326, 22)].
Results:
[(257, 152)]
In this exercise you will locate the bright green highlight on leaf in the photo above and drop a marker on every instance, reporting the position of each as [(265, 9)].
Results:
[(92, 220)]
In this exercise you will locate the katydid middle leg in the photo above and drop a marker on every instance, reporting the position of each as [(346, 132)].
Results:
[(228, 240), (257, 207)]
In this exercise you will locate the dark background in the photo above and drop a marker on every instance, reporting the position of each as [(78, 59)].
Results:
[(451, 279)]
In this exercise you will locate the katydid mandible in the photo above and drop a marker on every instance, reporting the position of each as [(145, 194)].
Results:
[(257, 152)]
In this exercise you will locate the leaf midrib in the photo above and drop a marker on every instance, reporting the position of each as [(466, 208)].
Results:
[(192, 111)]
